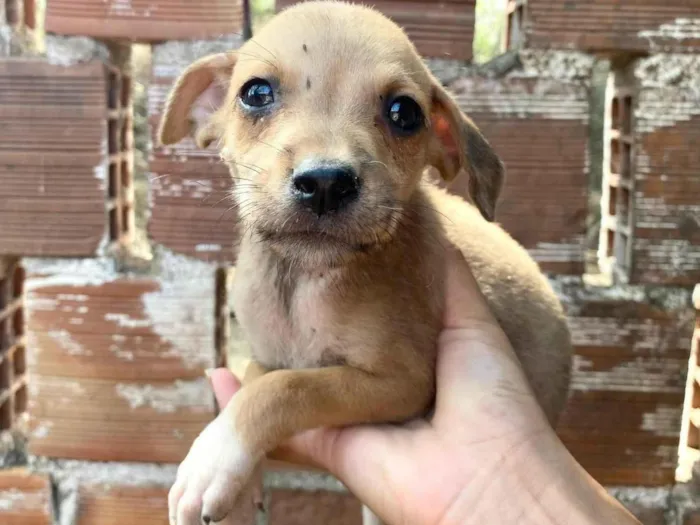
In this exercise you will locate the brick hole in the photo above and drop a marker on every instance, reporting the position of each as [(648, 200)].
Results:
[(627, 115), (5, 296), (30, 14), (126, 219), (5, 375), (126, 92), (18, 282), (612, 205), (21, 399), (113, 224), (125, 142), (621, 250), (616, 115), (19, 361), (615, 156), (113, 90), (4, 335), (13, 12), (126, 175), (113, 185), (113, 136), (626, 161), (624, 206), (18, 327), (5, 414)]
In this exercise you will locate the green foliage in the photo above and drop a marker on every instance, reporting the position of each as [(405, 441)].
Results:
[(489, 31)]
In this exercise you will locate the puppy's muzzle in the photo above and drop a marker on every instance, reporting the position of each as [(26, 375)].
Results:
[(326, 189)]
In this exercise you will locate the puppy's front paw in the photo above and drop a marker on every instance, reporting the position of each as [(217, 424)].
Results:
[(212, 476)]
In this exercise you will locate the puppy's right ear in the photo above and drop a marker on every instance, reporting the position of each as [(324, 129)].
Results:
[(198, 94)]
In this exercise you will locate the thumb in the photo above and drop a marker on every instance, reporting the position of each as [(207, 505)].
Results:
[(464, 301), (225, 385)]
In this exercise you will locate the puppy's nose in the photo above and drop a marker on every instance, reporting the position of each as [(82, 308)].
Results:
[(323, 190)]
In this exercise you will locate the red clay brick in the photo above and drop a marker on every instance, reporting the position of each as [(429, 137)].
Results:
[(295, 507), (142, 21), (128, 505), (610, 25), (438, 29), (25, 498), (646, 515), (692, 517), (52, 200)]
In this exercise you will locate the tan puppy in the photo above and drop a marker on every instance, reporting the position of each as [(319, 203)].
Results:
[(327, 120)]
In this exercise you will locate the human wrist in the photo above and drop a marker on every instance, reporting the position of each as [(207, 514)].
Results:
[(538, 482), (561, 491)]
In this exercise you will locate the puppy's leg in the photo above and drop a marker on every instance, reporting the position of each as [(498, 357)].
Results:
[(275, 407)]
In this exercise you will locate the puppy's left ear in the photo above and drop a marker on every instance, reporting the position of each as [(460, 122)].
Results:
[(458, 145)]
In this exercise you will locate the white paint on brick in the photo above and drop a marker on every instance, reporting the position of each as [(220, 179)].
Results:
[(559, 252), (65, 342), (182, 311), (171, 58), (558, 65), (122, 8), (116, 474), (664, 421), (17, 501), (639, 375), (72, 50), (168, 398), (43, 273), (669, 90), (680, 29), (548, 98), (208, 248)]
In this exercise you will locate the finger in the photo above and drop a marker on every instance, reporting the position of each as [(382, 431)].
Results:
[(464, 301), (225, 385), (174, 496)]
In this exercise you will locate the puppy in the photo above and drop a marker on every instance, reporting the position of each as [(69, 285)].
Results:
[(328, 119)]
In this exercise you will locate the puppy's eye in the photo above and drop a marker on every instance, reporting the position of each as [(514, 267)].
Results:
[(257, 93), (405, 114)]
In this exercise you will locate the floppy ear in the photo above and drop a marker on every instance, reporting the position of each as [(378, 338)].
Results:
[(198, 94), (459, 145)]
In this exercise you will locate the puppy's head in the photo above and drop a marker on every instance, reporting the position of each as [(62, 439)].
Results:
[(327, 120)]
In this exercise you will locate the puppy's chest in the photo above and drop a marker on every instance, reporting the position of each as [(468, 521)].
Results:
[(290, 322)]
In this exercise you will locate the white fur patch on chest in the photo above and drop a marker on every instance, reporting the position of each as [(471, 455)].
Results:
[(298, 334)]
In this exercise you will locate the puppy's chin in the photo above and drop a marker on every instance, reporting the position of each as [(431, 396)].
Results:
[(315, 250)]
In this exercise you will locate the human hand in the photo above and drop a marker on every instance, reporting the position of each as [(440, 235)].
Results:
[(487, 455)]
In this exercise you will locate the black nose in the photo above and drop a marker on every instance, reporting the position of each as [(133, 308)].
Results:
[(323, 190)]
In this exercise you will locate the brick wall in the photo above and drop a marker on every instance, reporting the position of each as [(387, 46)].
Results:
[(438, 29), (192, 212), (610, 25), (63, 147), (536, 118), (624, 413), (132, 349), (666, 235)]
